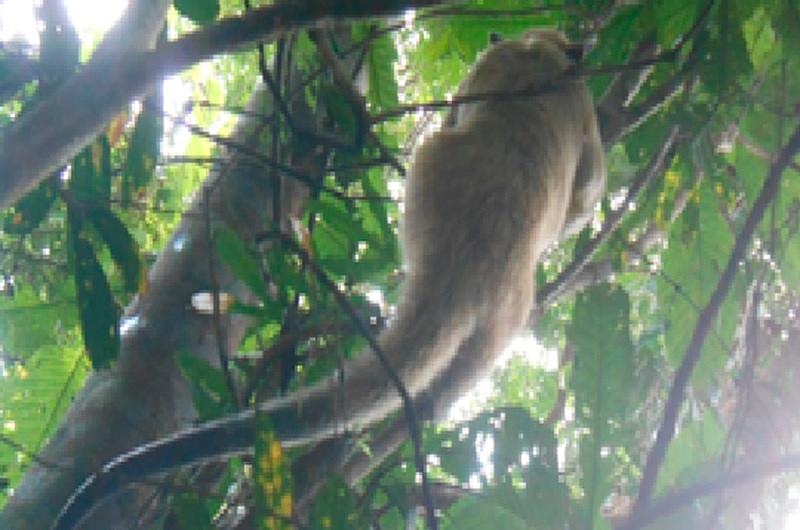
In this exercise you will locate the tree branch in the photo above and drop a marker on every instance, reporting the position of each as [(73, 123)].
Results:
[(673, 501), (616, 120), (676, 394), (48, 136)]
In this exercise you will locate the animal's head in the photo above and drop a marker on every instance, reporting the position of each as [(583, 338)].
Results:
[(556, 40), (538, 56)]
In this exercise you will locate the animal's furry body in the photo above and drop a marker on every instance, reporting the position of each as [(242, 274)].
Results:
[(504, 179)]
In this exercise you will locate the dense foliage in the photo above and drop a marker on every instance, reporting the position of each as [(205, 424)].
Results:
[(666, 359)]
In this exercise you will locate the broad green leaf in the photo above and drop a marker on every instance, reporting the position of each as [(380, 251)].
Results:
[(698, 251), (209, 389), (241, 260), (670, 19), (98, 311), (382, 83), (29, 212), (90, 177), (38, 384), (124, 249), (332, 249), (145, 146), (334, 507), (376, 213), (513, 431), (602, 380), (478, 513), (285, 271), (199, 11), (340, 109), (693, 453), (760, 39), (190, 511), (335, 214), (269, 311)]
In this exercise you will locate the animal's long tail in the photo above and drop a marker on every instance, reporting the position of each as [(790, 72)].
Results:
[(419, 345)]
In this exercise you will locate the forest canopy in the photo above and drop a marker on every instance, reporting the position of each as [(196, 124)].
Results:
[(201, 202)]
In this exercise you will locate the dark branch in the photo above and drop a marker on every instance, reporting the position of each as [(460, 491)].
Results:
[(673, 501), (80, 108), (704, 322)]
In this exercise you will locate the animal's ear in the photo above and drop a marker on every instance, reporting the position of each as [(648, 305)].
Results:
[(495, 37)]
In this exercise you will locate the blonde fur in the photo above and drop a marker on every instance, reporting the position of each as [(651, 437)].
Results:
[(486, 195)]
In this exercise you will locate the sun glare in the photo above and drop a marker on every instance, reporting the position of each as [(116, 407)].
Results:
[(91, 19), (791, 521), (18, 22)]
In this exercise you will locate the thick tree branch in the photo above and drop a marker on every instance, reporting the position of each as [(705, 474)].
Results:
[(48, 136), (676, 394)]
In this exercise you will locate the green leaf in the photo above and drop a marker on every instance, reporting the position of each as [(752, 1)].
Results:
[(374, 184), (267, 312), (90, 178), (241, 260), (124, 249), (335, 214), (760, 39), (199, 11), (190, 512), (334, 507), (32, 209), (692, 453), (700, 244), (513, 432), (98, 312), (145, 146), (285, 272), (340, 109), (209, 389), (382, 83), (602, 379), (478, 513)]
